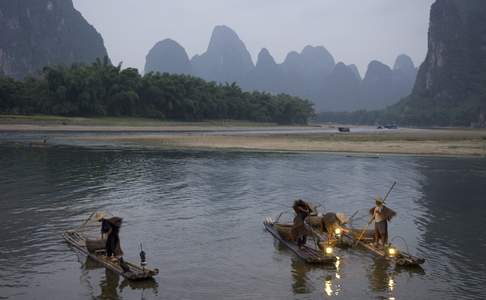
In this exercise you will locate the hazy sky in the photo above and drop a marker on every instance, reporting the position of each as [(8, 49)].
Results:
[(354, 31)]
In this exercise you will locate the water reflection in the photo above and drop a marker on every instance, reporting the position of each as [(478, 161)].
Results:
[(383, 277), (338, 269), (455, 239), (379, 275), (303, 279), (215, 203), (142, 286), (391, 284), (332, 282), (328, 286), (301, 282), (112, 285), (109, 285)]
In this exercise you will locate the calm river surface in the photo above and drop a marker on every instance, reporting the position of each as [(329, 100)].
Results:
[(199, 216)]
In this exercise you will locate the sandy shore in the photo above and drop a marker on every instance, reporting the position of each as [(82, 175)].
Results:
[(420, 142), (261, 137)]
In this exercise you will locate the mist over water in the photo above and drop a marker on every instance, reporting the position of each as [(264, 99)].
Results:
[(199, 216)]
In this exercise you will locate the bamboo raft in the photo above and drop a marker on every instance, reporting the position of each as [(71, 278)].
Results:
[(399, 258), (136, 272), (306, 253)]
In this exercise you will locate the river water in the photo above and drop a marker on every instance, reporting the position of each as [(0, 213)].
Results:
[(199, 216)]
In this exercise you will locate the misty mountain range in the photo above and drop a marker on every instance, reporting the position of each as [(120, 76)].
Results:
[(313, 73)]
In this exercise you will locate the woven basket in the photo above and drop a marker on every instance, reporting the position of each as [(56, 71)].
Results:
[(94, 245), (285, 231)]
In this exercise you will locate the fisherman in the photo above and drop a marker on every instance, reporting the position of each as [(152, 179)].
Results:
[(299, 232), (381, 215), (111, 228)]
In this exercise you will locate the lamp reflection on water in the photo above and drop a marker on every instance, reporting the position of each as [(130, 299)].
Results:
[(329, 289), (338, 263), (391, 287), (391, 284)]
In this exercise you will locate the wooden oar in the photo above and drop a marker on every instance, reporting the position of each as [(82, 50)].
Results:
[(372, 217)]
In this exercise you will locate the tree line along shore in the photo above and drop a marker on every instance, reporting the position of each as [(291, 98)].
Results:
[(101, 89)]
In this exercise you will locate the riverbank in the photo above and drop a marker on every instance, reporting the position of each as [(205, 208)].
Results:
[(410, 142), (56, 123), (247, 136)]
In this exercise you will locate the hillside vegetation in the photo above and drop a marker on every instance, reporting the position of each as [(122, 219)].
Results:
[(100, 89)]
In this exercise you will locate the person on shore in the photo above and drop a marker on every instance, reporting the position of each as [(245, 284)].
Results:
[(299, 232), (381, 215), (111, 228)]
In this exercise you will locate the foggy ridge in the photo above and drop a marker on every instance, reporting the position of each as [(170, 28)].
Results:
[(313, 73)]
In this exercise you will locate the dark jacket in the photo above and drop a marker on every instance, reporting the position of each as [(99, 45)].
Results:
[(112, 227), (302, 211)]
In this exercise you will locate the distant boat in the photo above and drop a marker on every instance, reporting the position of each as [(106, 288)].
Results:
[(344, 129), (391, 126)]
